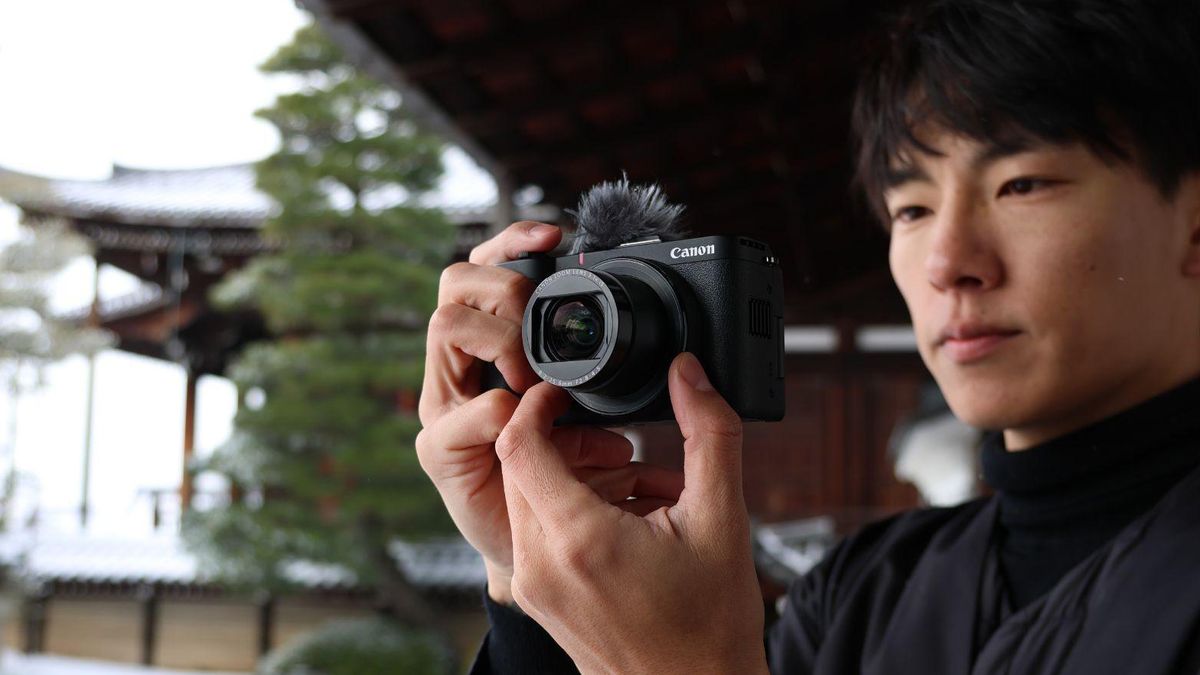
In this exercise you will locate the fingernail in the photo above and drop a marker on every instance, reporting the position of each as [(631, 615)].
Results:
[(540, 230), (693, 373)]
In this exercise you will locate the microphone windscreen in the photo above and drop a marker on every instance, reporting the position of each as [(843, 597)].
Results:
[(617, 212)]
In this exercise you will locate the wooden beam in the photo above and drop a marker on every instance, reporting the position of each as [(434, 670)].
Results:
[(189, 442)]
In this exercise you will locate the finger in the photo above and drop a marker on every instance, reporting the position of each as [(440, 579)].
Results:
[(450, 446), (645, 506), (457, 336), (523, 237), (494, 290), (634, 480), (589, 446), (527, 532), (535, 467), (712, 447)]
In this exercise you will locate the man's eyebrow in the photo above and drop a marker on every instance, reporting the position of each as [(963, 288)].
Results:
[(894, 177), (998, 150)]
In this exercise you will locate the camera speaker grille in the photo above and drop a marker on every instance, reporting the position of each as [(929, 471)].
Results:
[(760, 318)]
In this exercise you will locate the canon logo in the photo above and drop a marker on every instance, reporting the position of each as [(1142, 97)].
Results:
[(693, 251)]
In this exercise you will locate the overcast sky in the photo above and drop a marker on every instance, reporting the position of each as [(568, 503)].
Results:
[(148, 84)]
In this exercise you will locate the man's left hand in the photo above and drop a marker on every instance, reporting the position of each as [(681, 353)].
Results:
[(644, 586)]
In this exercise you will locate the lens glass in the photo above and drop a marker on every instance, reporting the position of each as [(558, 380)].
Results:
[(575, 329)]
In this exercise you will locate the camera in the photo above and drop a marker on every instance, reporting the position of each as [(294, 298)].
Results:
[(604, 325)]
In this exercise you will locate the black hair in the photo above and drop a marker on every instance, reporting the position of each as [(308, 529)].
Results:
[(1120, 76)]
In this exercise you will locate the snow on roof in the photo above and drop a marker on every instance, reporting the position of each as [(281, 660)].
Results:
[(448, 564), (220, 196), (784, 550)]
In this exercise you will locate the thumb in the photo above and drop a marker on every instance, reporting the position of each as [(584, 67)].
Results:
[(712, 447)]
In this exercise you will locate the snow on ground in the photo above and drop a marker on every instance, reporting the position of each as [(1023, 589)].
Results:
[(13, 663)]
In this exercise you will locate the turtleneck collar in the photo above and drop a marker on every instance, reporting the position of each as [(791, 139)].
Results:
[(1120, 464)]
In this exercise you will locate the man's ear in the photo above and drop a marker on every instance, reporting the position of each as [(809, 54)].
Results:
[(1189, 191)]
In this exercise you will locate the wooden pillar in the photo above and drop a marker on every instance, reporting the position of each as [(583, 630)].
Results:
[(266, 622), (33, 619), (148, 599), (93, 322), (189, 442)]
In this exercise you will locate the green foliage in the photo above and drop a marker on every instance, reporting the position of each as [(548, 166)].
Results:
[(361, 647), (321, 447)]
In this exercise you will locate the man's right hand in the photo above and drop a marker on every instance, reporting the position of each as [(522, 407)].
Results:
[(478, 319)]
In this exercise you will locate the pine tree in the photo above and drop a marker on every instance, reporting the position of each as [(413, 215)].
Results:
[(322, 450)]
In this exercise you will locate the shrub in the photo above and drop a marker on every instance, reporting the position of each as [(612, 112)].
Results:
[(361, 647)]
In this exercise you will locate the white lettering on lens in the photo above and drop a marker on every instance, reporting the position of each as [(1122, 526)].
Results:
[(692, 251)]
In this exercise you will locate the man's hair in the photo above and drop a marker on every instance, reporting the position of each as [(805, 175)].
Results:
[(1120, 76)]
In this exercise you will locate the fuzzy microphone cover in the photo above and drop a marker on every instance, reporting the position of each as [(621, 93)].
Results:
[(615, 213)]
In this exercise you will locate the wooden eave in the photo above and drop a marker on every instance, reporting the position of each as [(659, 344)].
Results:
[(739, 108)]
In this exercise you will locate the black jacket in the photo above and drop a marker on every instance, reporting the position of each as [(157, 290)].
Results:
[(922, 594)]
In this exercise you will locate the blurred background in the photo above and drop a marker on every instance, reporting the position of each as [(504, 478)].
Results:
[(221, 229)]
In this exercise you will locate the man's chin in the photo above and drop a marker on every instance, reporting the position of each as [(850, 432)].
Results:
[(986, 405)]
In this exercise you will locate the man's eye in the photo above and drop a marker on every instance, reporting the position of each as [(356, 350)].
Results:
[(908, 214), (1023, 186)]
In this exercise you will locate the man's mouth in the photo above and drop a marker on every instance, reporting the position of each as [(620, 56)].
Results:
[(966, 343)]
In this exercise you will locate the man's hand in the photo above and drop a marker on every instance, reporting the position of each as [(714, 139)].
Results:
[(642, 586), (479, 319)]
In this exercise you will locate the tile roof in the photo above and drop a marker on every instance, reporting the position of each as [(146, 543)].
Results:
[(440, 565), (214, 197)]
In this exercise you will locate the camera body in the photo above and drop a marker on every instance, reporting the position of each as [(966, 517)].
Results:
[(605, 325)]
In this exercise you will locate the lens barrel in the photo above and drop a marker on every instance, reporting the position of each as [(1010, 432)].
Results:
[(606, 334)]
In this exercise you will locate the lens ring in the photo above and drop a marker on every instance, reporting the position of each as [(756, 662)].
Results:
[(575, 329)]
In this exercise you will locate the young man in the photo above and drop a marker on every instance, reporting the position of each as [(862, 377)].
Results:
[(1037, 163)]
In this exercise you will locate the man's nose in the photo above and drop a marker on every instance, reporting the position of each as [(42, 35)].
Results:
[(962, 256)]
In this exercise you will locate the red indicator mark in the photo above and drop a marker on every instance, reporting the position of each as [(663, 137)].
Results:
[(581, 259)]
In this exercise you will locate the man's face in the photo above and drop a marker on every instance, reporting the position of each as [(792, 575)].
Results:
[(1047, 288)]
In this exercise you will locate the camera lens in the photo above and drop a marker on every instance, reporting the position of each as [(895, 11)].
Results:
[(575, 329), (606, 334)]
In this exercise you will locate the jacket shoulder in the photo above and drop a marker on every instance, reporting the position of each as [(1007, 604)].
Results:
[(861, 575)]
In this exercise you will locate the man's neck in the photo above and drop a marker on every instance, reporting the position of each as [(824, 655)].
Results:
[(1103, 405)]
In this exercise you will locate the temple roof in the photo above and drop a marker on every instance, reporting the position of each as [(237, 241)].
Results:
[(222, 196), (217, 197)]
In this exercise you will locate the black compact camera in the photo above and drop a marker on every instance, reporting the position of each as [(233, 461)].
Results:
[(605, 325)]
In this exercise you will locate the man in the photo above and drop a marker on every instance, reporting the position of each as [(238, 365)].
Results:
[(1037, 164)]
